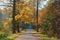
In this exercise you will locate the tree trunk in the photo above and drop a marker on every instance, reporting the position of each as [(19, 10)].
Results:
[(37, 17), (18, 27), (14, 27)]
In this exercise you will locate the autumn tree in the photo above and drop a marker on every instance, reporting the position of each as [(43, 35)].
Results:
[(53, 10), (23, 11)]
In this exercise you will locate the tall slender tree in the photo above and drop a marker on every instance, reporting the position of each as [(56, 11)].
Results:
[(37, 16), (14, 8)]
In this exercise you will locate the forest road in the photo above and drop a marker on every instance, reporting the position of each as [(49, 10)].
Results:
[(28, 36)]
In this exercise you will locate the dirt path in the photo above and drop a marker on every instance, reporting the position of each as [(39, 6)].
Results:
[(28, 36)]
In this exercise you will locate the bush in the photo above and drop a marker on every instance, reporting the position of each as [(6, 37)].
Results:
[(3, 36), (0, 27)]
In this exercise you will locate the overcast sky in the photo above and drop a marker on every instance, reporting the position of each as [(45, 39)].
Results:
[(42, 3)]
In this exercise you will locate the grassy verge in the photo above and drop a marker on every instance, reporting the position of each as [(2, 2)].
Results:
[(46, 37), (5, 36), (13, 36), (43, 36)]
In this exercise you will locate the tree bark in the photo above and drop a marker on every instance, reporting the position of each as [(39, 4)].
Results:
[(37, 17), (14, 26)]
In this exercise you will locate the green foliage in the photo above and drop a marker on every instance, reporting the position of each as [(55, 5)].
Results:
[(45, 25), (1, 27), (4, 36), (46, 37)]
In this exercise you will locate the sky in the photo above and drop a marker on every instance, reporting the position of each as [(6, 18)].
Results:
[(42, 3), (1, 3)]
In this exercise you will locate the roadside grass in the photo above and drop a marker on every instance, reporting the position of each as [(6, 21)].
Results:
[(5, 36), (13, 36), (44, 36)]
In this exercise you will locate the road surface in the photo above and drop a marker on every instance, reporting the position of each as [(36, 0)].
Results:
[(28, 36)]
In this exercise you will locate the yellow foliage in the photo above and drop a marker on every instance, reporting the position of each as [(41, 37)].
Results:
[(6, 23), (40, 30), (18, 17), (10, 19), (10, 10), (18, 6), (24, 11), (4, 11)]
